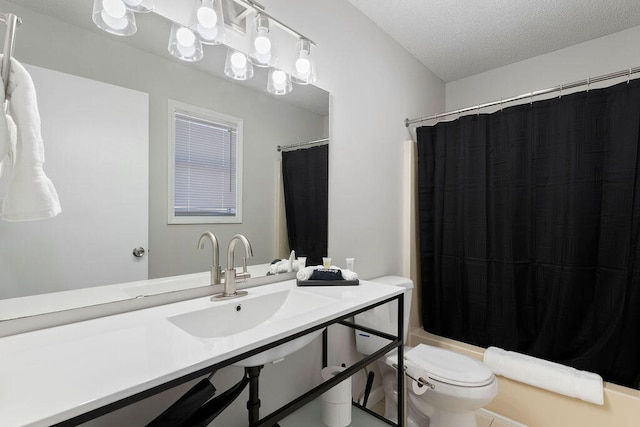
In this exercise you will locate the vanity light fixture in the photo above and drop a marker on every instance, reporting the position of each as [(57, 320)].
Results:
[(184, 44), (261, 48), (304, 67), (114, 17), (279, 82), (237, 66), (209, 22), (208, 25)]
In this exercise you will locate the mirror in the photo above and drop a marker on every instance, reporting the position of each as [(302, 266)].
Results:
[(121, 90)]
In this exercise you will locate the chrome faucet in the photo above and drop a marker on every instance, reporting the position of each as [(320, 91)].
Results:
[(230, 275), (216, 271)]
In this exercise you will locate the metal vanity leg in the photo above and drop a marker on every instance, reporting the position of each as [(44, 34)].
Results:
[(325, 343), (253, 405), (401, 389)]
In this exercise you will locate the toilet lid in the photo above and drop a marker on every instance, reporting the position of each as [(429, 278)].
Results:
[(450, 367)]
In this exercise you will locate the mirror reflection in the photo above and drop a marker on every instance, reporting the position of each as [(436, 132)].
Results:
[(104, 104)]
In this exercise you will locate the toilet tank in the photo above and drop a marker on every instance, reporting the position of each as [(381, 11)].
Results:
[(384, 317)]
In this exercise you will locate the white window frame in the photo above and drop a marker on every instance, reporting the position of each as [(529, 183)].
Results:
[(207, 115)]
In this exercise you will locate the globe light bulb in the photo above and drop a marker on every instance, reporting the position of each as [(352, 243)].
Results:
[(185, 37), (279, 79), (303, 66), (238, 60), (207, 34), (114, 23), (114, 8), (262, 45), (207, 17)]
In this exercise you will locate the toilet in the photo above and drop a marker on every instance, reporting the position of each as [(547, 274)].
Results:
[(458, 384)]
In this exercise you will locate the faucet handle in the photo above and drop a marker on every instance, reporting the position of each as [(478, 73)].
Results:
[(244, 276)]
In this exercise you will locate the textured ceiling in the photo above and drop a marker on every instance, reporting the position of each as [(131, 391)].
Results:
[(460, 38)]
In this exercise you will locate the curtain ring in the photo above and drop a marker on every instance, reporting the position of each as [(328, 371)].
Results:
[(588, 83), (531, 98), (500, 104), (629, 76), (560, 96), (478, 110)]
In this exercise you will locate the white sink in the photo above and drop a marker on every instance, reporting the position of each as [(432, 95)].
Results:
[(224, 319)]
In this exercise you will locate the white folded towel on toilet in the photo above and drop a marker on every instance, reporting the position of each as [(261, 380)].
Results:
[(26, 193), (550, 376)]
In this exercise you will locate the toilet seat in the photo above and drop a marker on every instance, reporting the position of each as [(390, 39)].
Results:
[(449, 367)]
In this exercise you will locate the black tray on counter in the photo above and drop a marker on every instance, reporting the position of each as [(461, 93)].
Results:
[(328, 282)]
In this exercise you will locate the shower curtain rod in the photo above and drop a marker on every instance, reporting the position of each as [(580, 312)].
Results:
[(300, 144), (12, 22), (558, 88)]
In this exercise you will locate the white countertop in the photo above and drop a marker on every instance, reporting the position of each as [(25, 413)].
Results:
[(31, 305), (54, 374)]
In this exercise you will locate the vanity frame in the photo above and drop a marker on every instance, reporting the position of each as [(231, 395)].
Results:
[(272, 419)]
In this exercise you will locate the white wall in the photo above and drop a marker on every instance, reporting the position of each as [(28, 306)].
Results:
[(604, 55)]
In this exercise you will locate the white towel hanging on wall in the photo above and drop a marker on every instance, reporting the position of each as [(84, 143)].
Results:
[(26, 193)]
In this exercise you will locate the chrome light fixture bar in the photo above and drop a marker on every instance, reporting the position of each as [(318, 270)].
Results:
[(258, 8)]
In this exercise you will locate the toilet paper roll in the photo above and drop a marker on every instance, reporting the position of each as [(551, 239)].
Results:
[(417, 388), (336, 402)]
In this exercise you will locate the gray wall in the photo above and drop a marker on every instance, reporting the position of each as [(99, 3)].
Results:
[(603, 55)]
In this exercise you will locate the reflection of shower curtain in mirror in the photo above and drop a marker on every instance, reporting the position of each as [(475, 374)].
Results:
[(305, 180)]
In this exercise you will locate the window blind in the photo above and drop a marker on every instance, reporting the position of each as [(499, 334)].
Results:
[(205, 167)]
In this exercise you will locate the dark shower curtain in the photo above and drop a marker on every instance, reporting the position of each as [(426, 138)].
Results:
[(305, 176), (529, 224)]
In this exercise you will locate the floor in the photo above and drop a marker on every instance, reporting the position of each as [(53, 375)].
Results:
[(486, 418)]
